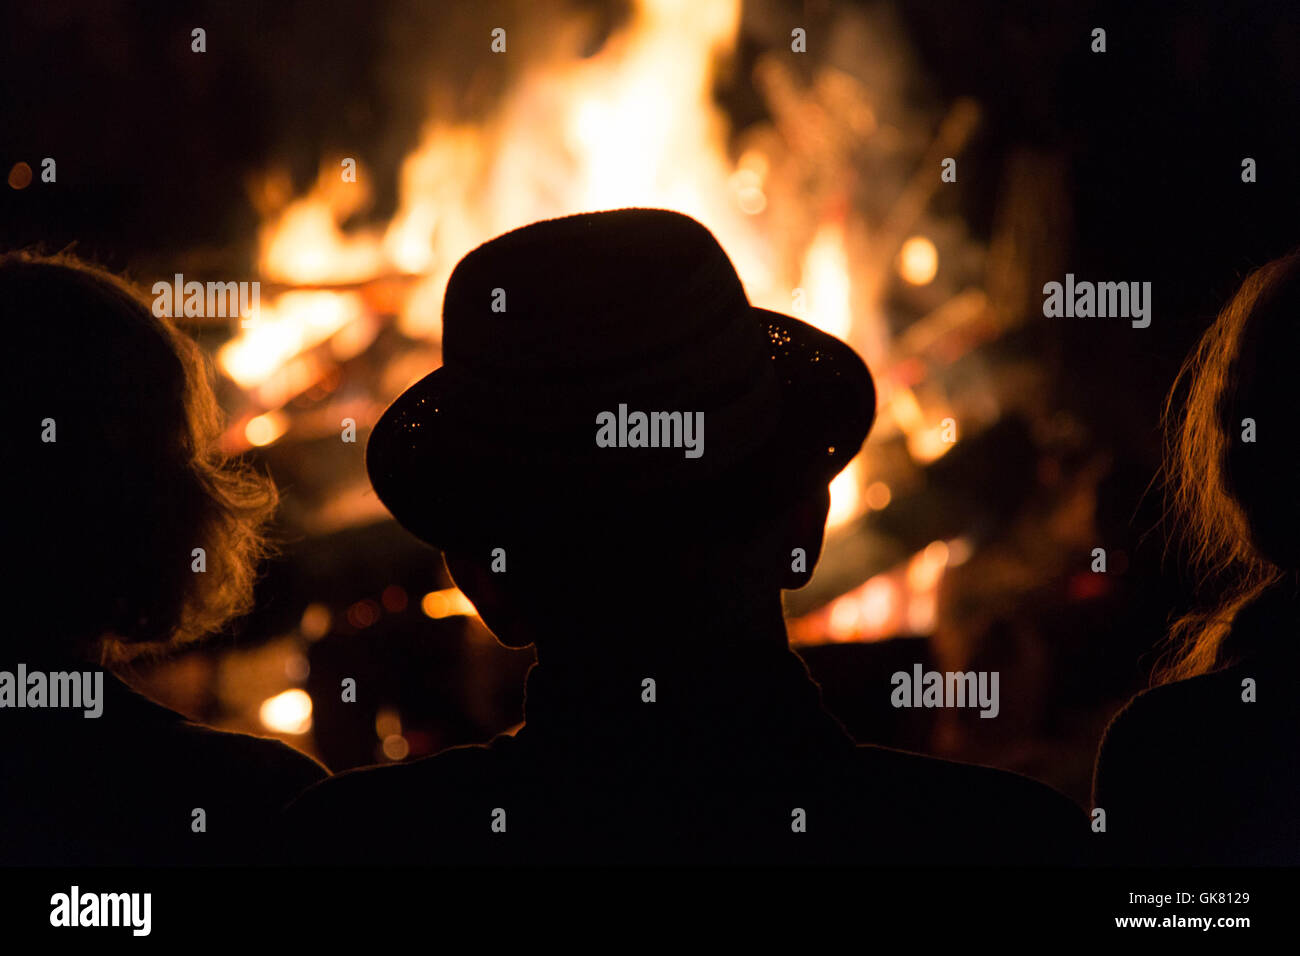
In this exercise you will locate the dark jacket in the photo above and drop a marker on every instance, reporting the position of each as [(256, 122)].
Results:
[(758, 774), (1190, 773), (121, 788)]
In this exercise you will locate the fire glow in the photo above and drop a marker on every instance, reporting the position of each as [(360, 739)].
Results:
[(903, 600), (287, 713), (584, 132)]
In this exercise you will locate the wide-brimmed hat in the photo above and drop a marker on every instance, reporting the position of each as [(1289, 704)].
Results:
[(581, 356)]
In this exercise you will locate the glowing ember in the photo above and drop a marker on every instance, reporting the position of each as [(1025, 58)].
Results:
[(918, 261), (316, 621), (878, 496), (925, 569), (903, 600), (447, 603), (287, 713), (264, 429)]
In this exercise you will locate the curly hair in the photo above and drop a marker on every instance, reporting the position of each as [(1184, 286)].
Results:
[(122, 473), (1232, 501)]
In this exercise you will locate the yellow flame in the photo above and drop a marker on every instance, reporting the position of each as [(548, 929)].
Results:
[(929, 443), (306, 245), (902, 598), (287, 713), (905, 409), (845, 495), (826, 282), (929, 435), (631, 132), (634, 124), (289, 324)]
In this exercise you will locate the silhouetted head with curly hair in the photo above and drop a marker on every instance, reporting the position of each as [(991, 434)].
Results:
[(1231, 463), (116, 474)]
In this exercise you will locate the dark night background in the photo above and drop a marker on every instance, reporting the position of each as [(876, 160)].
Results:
[(155, 146)]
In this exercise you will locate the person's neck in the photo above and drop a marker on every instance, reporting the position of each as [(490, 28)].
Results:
[(665, 637), (691, 688)]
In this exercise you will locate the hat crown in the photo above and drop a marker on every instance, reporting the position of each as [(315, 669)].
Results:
[(591, 295)]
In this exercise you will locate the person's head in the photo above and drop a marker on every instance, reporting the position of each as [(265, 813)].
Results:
[(1231, 465), (617, 439), (668, 567), (116, 471)]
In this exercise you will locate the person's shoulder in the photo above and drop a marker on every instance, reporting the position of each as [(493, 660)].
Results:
[(1243, 714), (264, 760), (1181, 699), (419, 782), (960, 782), (1201, 770), (993, 815), (392, 813), (1178, 718), (265, 768), (1156, 748)]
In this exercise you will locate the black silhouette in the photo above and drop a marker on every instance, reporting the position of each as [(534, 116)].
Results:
[(628, 564), (1195, 771), (116, 479)]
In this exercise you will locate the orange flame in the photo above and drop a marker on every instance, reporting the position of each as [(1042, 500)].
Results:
[(635, 124)]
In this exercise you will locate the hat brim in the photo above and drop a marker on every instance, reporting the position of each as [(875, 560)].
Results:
[(452, 490)]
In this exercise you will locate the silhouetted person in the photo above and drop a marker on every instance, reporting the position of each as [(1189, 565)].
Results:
[(1204, 768), (115, 479), (644, 556)]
